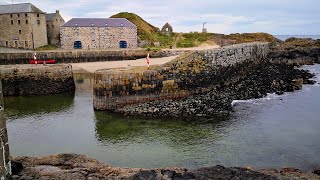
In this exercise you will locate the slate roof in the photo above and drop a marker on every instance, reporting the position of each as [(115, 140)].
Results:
[(19, 8), (98, 22), (50, 16)]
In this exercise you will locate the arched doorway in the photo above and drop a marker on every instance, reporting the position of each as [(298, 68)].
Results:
[(77, 45), (123, 44)]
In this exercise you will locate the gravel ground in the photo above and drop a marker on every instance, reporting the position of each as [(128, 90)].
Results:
[(12, 50), (93, 66)]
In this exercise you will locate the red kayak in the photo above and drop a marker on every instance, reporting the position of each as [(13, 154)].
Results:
[(51, 61)]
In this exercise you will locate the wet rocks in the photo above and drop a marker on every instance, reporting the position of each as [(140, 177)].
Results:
[(72, 166), (216, 98)]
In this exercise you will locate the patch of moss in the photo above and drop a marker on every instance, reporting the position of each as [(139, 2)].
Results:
[(47, 47), (193, 39)]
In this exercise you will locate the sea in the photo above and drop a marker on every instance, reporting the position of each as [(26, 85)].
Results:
[(271, 132), (284, 37)]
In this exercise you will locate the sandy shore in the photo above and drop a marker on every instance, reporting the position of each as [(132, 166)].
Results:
[(93, 66)]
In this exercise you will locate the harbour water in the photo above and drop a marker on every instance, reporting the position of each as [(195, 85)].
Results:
[(276, 131)]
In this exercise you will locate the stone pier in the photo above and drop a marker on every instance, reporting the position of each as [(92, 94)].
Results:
[(36, 79), (5, 163), (189, 74)]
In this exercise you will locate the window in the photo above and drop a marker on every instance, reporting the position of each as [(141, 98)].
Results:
[(38, 21), (11, 22), (19, 22), (26, 44), (27, 22), (10, 15), (19, 31), (18, 15), (38, 15), (7, 43), (52, 26), (56, 20), (26, 14)]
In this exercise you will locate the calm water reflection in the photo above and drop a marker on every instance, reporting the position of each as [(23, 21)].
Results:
[(276, 132)]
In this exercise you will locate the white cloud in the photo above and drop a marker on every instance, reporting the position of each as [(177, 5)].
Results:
[(273, 16)]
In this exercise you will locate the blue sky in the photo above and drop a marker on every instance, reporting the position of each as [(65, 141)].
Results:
[(290, 17)]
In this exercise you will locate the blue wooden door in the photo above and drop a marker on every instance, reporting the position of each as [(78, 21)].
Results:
[(77, 45), (123, 44)]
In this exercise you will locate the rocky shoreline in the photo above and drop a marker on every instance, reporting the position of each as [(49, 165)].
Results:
[(278, 73), (216, 100), (73, 166)]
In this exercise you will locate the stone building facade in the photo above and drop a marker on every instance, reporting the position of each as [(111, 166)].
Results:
[(22, 26), (54, 23), (98, 33), (167, 29)]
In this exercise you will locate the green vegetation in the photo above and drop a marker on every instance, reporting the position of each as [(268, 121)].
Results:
[(150, 35), (146, 31), (144, 28), (301, 42), (237, 38), (192, 39), (47, 47)]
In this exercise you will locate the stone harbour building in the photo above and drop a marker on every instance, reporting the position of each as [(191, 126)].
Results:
[(54, 23), (98, 33), (22, 26)]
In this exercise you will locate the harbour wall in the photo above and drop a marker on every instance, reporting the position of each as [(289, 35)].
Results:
[(36, 80), (5, 163), (189, 74), (77, 56)]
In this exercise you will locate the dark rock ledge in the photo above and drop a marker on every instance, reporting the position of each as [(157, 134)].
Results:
[(261, 79), (72, 166)]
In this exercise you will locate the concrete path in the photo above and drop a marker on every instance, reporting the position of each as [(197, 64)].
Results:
[(12, 50), (93, 66)]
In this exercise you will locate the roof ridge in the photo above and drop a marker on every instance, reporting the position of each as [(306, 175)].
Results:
[(13, 4)]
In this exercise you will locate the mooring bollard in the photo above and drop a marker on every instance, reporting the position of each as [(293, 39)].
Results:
[(5, 163)]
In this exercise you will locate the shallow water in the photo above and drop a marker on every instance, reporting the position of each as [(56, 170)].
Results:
[(276, 131)]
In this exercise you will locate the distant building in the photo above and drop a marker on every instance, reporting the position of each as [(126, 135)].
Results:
[(98, 33), (167, 29), (22, 26), (54, 22)]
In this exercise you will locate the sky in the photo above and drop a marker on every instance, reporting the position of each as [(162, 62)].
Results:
[(277, 17)]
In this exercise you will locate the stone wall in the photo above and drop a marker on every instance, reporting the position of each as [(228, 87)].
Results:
[(98, 37), (36, 80), (75, 56), (5, 163), (188, 74), (53, 29), (22, 30)]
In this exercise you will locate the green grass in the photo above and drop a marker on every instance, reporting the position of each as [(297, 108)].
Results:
[(47, 47), (193, 39)]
